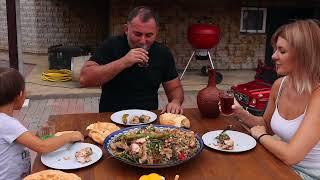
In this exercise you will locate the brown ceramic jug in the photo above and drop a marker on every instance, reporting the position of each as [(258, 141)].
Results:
[(208, 98)]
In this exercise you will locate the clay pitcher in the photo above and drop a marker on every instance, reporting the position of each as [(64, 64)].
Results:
[(208, 98)]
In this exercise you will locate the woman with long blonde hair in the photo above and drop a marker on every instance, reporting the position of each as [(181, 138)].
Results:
[(293, 112)]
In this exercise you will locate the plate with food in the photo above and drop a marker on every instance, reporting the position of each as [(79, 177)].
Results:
[(153, 146), (133, 117), (229, 141), (76, 156)]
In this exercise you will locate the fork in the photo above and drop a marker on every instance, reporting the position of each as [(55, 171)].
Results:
[(245, 127), (228, 127), (69, 146)]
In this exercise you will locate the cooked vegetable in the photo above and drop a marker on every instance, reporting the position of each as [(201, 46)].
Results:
[(222, 137), (144, 118), (225, 142), (125, 118), (131, 137), (135, 119)]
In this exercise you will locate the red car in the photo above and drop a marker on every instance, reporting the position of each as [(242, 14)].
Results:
[(254, 95)]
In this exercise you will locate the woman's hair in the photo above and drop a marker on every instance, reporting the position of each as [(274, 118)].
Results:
[(11, 84), (304, 37)]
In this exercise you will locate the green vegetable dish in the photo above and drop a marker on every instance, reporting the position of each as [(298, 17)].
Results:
[(154, 145)]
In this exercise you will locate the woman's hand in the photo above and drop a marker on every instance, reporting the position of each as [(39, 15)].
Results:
[(237, 109), (257, 131)]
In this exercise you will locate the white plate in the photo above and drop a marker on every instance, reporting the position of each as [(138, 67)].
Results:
[(242, 142), (117, 116), (59, 159)]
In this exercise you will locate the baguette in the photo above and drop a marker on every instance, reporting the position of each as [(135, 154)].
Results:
[(177, 120)]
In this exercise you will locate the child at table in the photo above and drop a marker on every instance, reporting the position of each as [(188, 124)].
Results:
[(14, 137)]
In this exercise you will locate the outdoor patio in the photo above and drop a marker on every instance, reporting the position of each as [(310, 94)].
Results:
[(53, 98)]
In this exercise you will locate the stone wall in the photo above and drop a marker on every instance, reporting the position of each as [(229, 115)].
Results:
[(51, 22), (82, 22)]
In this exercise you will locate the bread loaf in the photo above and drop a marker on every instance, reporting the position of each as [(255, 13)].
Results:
[(177, 120), (100, 130), (52, 175)]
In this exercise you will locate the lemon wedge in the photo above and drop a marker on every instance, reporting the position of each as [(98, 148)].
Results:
[(152, 176)]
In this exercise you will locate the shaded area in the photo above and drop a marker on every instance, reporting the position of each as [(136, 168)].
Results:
[(27, 67)]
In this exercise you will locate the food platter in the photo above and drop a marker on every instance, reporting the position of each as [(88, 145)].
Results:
[(117, 117), (163, 136), (242, 141), (64, 157)]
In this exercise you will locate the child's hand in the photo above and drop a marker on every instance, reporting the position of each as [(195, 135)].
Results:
[(74, 136), (77, 136)]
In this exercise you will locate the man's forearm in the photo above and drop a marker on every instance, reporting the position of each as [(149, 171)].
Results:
[(97, 75), (176, 95)]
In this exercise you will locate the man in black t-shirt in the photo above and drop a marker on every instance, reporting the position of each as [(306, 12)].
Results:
[(131, 67)]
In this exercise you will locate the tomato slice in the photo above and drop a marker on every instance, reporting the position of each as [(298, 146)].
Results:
[(182, 156)]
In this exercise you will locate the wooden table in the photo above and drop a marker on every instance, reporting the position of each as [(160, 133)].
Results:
[(257, 163)]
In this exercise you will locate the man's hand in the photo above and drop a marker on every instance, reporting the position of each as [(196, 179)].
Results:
[(175, 96), (137, 55), (173, 107)]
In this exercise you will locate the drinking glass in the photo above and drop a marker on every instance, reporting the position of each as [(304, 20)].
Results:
[(46, 130), (226, 101), (145, 47)]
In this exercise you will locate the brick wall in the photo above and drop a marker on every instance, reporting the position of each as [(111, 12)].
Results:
[(3, 25), (50, 22), (235, 50), (82, 22)]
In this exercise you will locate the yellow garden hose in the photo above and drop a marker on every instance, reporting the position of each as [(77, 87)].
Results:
[(61, 75)]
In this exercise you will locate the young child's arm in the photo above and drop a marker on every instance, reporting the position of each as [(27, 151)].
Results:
[(44, 146)]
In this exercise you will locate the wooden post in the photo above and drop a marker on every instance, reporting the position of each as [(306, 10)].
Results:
[(14, 34)]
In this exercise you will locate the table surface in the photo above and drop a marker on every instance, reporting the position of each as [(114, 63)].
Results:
[(257, 163)]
